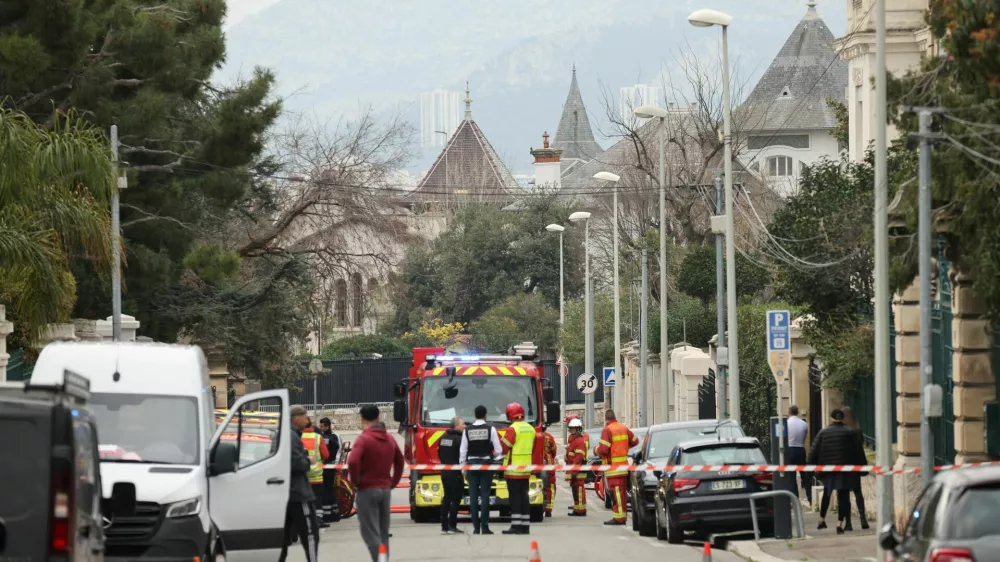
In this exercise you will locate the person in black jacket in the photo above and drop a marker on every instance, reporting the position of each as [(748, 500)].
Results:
[(331, 508), (851, 421), (836, 444), (454, 484), (300, 514)]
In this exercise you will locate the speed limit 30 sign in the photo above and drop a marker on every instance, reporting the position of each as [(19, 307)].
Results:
[(587, 383)]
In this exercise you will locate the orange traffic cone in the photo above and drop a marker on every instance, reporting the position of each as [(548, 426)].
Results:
[(535, 557), (383, 553), (706, 553)]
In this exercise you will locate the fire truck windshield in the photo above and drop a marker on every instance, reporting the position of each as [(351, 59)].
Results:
[(440, 403)]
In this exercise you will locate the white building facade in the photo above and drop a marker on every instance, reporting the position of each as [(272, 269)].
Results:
[(907, 40), (786, 122), (631, 97)]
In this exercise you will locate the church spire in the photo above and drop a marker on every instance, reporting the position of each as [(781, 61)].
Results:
[(574, 135), (468, 103)]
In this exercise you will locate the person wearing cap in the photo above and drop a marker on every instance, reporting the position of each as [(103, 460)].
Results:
[(375, 466), (300, 514), (836, 445)]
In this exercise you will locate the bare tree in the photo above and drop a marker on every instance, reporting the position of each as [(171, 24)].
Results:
[(693, 157)]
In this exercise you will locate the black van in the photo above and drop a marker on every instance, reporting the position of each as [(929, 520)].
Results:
[(50, 479)]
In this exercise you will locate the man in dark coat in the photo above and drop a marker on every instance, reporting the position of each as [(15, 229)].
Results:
[(836, 444)]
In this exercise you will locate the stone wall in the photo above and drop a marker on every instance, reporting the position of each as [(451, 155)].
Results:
[(972, 370)]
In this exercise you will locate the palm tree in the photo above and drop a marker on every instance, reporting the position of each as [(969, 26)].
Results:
[(55, 192)]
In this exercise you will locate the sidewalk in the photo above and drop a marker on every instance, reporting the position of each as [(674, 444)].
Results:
[(818, 546)]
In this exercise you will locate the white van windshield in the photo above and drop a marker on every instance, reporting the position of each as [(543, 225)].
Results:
[(147, 429)]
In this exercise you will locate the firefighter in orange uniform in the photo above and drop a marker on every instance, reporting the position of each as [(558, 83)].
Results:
[(576, 454), (549, 457), (616, 440)]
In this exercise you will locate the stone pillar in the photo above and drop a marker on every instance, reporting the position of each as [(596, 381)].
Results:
[(57, 332), (972, 372), (86, 330), (800, 388), (6, 327), (655, 390), (129, 328), (907, 487), (218, 374), (625, 407), (695, 364)]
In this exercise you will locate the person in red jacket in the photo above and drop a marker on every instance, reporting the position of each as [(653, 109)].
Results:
[(616, 440), (375, 466), (576, 454), (549, 455)]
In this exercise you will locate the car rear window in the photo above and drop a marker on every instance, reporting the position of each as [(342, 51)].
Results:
[(975, 514), (724, 455)]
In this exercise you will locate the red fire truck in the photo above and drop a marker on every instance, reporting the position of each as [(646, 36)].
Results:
[(441, 387)]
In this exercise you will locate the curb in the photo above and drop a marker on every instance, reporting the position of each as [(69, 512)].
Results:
[(749, 550)]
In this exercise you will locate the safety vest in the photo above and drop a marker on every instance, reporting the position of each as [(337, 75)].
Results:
[(310, 441), (619, 447), (521, 453)]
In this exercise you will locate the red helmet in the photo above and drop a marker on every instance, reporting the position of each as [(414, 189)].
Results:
[(514, 411), (571, 417)]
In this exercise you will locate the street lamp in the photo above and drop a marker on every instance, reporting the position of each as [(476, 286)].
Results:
[(614, 179), (588, 314), (708, 18), (562, 319), (666, 376)]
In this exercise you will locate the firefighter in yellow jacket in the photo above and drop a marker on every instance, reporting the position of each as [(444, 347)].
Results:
[(315, 446)]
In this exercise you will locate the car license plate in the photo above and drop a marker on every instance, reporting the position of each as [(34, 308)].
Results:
[(728, 485)]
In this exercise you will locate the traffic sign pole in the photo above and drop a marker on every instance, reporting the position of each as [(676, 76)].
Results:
[(779, 351)]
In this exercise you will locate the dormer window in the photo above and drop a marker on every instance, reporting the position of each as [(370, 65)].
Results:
[(780, 166)]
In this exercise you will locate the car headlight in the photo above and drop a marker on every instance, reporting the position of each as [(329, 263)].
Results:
[(184, 508), (435, 487)]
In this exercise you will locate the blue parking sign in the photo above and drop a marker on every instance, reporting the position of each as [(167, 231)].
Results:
[(609, 376), (778, 330)]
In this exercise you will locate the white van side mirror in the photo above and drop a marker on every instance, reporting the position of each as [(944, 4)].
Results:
[(225, 458)]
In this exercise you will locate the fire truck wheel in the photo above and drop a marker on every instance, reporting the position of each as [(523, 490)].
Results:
[(537, 514)]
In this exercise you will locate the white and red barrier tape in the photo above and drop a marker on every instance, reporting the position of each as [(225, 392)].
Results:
[(684, 468)]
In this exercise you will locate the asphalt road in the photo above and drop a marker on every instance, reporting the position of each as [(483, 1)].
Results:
[(560, 539)]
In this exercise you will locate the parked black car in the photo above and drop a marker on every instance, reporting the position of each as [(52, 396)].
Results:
[(659, 442), (953, 520), (712, 502)]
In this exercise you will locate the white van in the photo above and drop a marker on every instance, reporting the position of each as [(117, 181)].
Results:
[(195, 496)]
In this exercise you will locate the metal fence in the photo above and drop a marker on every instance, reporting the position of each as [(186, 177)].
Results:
[(362, 380)]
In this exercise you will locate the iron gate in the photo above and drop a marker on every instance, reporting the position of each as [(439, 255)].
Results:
[(941, 355)]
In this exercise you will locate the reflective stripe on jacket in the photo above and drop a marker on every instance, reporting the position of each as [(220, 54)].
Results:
[(522, 449), (311, 442)]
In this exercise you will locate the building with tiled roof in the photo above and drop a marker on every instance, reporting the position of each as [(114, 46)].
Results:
[(468, 170), (786, 121), (574, 136)]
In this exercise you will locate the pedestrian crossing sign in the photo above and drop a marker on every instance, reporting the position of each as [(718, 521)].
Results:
[(609, 376)]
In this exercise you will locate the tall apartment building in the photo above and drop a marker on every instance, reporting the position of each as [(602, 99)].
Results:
[(440, 110), (631, 97)]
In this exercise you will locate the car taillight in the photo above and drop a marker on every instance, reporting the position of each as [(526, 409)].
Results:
[(62, 507), (764, 479), (684, 484), (951, 555)]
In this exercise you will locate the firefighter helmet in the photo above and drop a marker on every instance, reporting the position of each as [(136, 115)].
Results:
[(575, 423), (571, 417), (514, 411)]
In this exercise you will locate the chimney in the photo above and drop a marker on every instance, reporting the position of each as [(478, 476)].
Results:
[(547, 166)]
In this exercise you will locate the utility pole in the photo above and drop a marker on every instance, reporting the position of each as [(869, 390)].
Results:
[(589, 355), (930, 393), (116, 242), (643, 339), (666, 375), (722, 352), (883, 384)]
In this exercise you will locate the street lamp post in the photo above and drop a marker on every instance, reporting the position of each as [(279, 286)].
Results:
[(614, 178), (589, 324), (708, 18), (562, 320), (666, 376)]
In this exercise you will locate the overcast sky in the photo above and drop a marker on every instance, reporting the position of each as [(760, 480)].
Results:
[(238, 9)]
